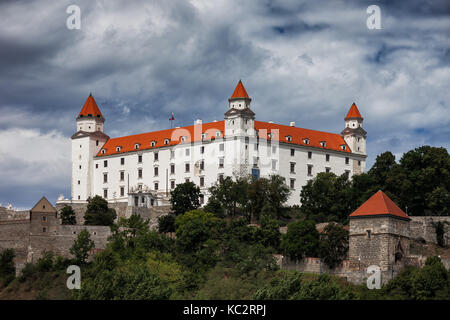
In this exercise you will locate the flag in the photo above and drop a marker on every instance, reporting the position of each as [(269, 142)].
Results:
[(172, 117)]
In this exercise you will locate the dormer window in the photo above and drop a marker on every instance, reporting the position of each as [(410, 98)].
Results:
[(270, 135), (323, 144), (166, 141), (153, 143), (103, 151), (137, 146), (218, 134), (343, 147), (305, 140), (183, 138), (288, 138), (118, 149), (203, 135)]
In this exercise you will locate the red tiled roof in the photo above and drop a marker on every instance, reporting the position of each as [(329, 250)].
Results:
[(192, 133), (333, 141), (353, 112), (90, 108), (379, 204), (239, 91)]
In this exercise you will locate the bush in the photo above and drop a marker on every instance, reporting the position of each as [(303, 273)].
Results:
[(7, 268)]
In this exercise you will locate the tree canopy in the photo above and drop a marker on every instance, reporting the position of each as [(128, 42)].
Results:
[(185, 197), (98, 213)]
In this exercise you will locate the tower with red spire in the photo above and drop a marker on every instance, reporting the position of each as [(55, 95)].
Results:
[(355, 136), (239, 119), (86, 143)]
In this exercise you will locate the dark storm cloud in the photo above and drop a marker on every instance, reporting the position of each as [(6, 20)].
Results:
[(303, 61)]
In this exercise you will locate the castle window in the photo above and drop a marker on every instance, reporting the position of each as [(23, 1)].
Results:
[(202, 149), (202, 165), (310, 168), (78, 181), (156, 185), (306, 141), (105, 178), (221, 161), (80, 146), (140, 158), (347, 160), (139, 173), (202, 181), (122, 161), (96, 143), (274, 149), (274, 164), (347, 173), (122, 191), (172, 169), (292, 152), (96, 166), (292, 183), (187, 167), (359, 163), (79, 197), (327, 170), (202, 199), (368, 233), (44, 229), (172, 154), (44, 218), (292, 167), (221, 147), (79, 167), (105, 163), (156, 171), (187, 152), (186, 180), (105, 193), (220, 178), (309, 154), (156, 156), (172, 184)]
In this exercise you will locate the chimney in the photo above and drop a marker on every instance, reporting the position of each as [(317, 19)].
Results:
[(292, 123), (198, 121), (270, 121)]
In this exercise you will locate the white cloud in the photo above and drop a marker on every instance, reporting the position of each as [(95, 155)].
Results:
[(31, 158)]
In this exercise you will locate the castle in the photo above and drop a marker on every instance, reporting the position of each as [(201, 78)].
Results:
[(141, 169)]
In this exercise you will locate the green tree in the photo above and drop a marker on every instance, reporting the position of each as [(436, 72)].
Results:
[(327, 198), (7, 268), (268, 234), (229, 194), (333, 245), (431, 281), (166, 223), (301, 240), (81, 247), (185, 197), (68, 215), (98, 213), (439, 228)]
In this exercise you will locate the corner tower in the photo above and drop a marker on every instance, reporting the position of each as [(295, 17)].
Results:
[(239, 119), (86, 143), (354, 134)]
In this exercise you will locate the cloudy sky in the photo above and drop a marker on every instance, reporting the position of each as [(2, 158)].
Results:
[(302, 61)]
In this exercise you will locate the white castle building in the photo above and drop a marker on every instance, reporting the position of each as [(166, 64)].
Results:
[(141, 169)]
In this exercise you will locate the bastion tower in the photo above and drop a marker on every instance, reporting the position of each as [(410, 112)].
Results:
[(379, 234), (86, 143)]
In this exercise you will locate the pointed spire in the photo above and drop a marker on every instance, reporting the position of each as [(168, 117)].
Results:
[(353, 113), (90, 108), (240, 92), (379, 204)]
